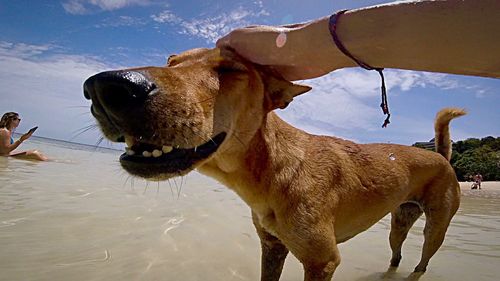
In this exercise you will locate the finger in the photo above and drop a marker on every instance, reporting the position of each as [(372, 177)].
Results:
[(290, 73), (223, 41)]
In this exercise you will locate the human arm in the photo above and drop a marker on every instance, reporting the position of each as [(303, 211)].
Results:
[(5, 146), (453, 36)]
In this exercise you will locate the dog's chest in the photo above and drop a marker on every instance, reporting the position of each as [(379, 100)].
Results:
[(267, 219)]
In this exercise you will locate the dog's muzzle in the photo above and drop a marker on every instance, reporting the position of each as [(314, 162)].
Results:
[(120, 101), (117, 94), (118, 98), (118, 90)]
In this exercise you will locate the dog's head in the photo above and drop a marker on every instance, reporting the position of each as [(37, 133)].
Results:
[(204, 104)]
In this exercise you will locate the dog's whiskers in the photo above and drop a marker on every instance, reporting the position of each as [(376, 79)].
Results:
[(171, 190), (132, 183), (145, 188), (83, 113), (83, 130), (78, 106), (125, 182), (99, 141), (235, 134), (177, 189), (180, 189)]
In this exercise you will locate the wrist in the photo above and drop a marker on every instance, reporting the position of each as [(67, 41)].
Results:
[(358, 39), (328, 53)]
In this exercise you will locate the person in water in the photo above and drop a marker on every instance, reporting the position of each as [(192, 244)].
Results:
[(8, 124)]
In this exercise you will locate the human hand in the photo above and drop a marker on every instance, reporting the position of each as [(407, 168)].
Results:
[(26, 135), (259, 44), (266, 45), (298, 51)]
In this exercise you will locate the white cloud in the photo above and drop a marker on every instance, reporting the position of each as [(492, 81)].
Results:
[(74, 7), (363, 83), (212, 28), (47, 90), (121, 21), (79, 7), (347, 100), (166, 16), (262, 11), (331, 109), (22, 50), (110, 5)]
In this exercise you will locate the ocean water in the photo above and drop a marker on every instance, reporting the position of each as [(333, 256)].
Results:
[(81, 217)]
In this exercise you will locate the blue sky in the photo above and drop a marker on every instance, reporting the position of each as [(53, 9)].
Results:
[(48, 48)]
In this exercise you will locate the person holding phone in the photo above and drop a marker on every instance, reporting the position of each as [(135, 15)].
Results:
[(8, 123)]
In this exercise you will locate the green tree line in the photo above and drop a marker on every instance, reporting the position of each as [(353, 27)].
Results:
[(473, 156)]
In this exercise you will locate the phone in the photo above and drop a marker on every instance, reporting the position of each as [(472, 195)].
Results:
[(32, 130)]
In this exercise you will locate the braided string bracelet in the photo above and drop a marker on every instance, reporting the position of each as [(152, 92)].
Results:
[(334, 19)]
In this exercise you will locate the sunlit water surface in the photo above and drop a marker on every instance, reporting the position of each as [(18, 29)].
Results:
[(82, 217)]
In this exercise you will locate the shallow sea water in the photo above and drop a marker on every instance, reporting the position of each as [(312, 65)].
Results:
[(82, 217)]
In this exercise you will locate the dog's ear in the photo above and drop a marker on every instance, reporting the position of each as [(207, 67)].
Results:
[(280, 92)]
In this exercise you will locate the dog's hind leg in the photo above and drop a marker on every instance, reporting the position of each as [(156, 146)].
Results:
[(273, 253), (402, 220), (434, 232), (438, 214)]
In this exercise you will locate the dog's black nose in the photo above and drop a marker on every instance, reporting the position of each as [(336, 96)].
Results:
[(118, 90)]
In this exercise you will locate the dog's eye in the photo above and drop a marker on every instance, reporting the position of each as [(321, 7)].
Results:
[(170, 60)]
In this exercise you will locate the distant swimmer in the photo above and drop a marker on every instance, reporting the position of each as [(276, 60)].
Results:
[(8, 124)]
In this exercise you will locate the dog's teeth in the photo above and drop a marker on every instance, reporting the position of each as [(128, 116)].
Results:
[(166, 149), (129, 151), (195, 148), (146, 154), (129, 141), (157, 153)]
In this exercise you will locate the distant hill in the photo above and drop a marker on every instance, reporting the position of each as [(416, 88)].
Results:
[(473, 156)]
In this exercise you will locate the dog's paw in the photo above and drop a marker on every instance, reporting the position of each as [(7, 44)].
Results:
[(420, 268)]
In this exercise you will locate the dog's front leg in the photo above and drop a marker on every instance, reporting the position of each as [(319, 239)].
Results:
[(315, 247), (273, 253)]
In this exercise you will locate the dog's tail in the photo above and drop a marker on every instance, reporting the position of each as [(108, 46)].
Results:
[(442, 129)]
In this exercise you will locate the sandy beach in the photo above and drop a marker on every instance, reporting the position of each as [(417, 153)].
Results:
[(486, 185), (83, 218)]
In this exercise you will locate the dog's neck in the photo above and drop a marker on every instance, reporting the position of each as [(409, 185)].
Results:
[(269, 160)]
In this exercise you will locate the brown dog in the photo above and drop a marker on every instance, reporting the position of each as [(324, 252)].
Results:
[(212, 110)]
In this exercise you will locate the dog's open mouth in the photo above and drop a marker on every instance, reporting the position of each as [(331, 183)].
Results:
[(147, 160)]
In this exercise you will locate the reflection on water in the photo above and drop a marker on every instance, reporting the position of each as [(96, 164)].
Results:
[(89, 221)]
